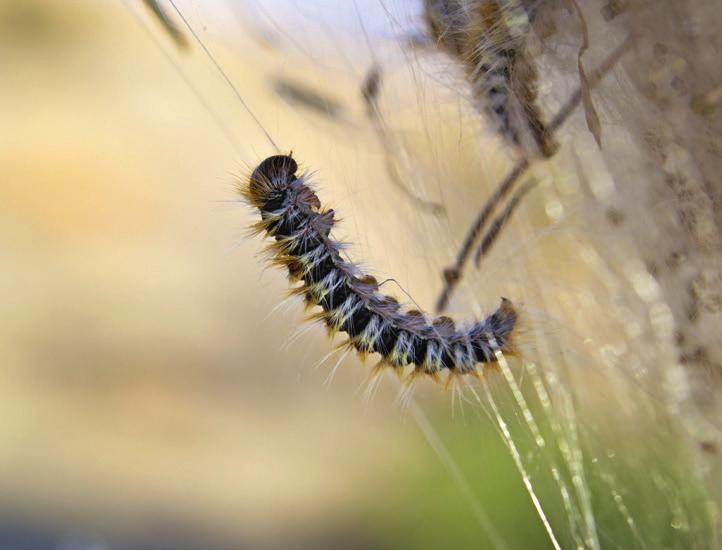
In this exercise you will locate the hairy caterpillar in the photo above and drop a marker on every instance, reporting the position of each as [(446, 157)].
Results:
[(489, 37), (375, 323)]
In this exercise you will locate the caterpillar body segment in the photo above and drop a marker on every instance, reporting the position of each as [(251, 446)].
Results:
[(350, 301)]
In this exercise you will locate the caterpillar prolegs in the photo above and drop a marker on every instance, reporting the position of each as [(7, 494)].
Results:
[(292, 214)]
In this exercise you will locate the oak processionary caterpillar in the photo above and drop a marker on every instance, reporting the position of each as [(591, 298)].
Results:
[(291, 213)]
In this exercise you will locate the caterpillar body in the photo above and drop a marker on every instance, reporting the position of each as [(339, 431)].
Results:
[(489, 38), (291, 213)]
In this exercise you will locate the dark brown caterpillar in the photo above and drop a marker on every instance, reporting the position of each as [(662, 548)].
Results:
[(291, 213)]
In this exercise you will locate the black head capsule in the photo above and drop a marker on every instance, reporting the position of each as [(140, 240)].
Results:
[(269, 182), (276, 171)]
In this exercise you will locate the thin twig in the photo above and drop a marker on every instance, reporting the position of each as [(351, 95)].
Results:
[(452, 275), (500, 221)]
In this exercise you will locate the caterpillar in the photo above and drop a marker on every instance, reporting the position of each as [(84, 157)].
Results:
[(350, 301), (489, 38)]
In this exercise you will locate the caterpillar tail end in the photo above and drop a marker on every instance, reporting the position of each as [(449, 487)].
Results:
[(505, 321)]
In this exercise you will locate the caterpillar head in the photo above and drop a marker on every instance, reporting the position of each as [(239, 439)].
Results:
[(271, 177)]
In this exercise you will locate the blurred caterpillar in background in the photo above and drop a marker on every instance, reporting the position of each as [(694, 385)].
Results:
[(490, 39), (291, 213)]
